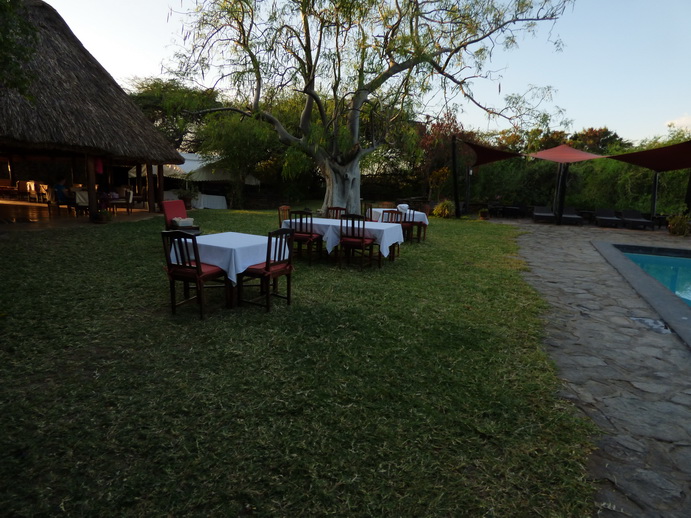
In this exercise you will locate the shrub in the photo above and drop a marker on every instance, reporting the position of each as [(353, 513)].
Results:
[(444, 209), (678, 225)]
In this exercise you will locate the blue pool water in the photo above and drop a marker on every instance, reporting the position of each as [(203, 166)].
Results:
[(672, 271)]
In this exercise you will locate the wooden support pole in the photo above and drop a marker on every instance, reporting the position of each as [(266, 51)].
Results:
[(151, 187), (91, 186)]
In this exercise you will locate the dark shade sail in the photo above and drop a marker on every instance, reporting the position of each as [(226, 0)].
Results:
[(667, 158), (564, 154), (486, 155)]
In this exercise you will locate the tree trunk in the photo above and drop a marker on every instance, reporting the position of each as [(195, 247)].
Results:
[(342, 185)]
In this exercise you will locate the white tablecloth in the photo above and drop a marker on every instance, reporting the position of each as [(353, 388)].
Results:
[(209, 201), (385, 234), (232, 251), (417, 216)]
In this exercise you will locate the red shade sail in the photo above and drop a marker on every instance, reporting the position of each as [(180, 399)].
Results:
[(564, 154), (668, 158), (486, 155)]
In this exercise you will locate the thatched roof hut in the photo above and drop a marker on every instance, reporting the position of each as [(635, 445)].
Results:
[(76, 106)]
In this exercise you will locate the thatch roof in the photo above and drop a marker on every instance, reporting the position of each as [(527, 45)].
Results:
[(76, 105)]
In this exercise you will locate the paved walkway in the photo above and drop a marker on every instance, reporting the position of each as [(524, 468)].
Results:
[(631, 377)]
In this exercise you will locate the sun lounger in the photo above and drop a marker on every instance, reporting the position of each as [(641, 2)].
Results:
[(634, 219), (543, 214), (571, 217), (607, 218)]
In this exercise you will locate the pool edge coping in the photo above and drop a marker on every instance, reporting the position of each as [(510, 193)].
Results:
[(674, 311)]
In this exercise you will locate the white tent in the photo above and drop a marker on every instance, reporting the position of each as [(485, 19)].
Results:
[(169, 171), (196, 170)]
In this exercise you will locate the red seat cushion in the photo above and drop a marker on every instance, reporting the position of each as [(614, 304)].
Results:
[(305, 236), (260, 269), (208, 270)]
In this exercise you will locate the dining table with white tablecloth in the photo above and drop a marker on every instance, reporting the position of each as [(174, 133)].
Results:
[(384, 234), (209, 201), (234, 252), (418, 216)]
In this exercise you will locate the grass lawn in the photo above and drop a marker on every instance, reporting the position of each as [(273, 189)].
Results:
[(420, 389)]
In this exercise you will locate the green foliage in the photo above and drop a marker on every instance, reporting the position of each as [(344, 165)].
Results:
[(444, 209), (362, 68), (116, 408), (171, 107), (678, 225)]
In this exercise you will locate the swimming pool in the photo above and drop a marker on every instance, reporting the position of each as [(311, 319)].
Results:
[(674, 310), (671, 267)]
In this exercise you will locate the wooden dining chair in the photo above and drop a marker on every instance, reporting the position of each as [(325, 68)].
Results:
[(301, 222), (181, 251), (335, 212), (283, 214), (278, 263), (125, 201), (391, 216), (369, 216), (354, 240), (425, 208), (408, 224)]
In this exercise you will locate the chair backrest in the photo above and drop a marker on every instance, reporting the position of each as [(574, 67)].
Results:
[(279, 248), (283, 214), (391, 216), (173, 209), (425, 208), (181, 251), (129, 196), (387, 204), (352, 226), (335, 212), (408, 216), (368, 212), (301, 221)]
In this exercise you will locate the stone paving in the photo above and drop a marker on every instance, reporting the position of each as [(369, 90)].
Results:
[(631, 378)]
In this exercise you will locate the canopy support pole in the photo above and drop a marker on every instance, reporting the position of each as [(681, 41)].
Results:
[(653, 196), (561, 191)]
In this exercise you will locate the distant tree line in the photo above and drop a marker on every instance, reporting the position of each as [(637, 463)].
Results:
[(416, 162)]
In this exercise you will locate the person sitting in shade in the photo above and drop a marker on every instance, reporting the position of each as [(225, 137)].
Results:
[(62, 192)]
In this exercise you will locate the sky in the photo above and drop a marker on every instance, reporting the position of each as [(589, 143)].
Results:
[(624, 64)]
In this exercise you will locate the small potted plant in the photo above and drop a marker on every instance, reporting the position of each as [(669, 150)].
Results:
[(483, 213), (187, 195)]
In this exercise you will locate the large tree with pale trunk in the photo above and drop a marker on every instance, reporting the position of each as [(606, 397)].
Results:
[(363, 66)]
